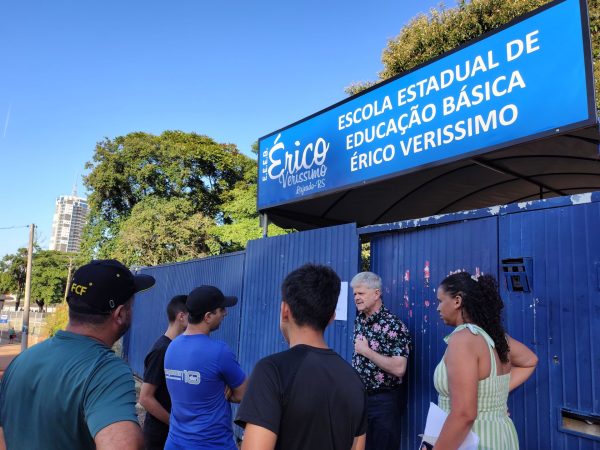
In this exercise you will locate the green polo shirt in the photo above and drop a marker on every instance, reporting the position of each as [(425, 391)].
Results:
[(61, 392)]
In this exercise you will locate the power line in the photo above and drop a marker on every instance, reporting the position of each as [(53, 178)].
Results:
[(12, 228)]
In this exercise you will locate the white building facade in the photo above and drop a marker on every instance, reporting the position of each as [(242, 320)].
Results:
[(69, 219)]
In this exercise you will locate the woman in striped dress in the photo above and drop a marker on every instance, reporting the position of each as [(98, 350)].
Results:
[(482, 364)]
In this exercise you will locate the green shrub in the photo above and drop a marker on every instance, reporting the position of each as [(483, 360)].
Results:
[(57, 320)]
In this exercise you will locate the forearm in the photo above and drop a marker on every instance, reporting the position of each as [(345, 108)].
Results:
[(518, 376), (359, 442), (258, 438), (455, 430), (237, 394), (152, 406), (389, 364)]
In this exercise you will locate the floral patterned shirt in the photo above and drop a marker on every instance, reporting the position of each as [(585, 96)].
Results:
[(388, 336)]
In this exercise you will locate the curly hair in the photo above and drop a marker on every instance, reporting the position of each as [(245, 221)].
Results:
[(483, 305)]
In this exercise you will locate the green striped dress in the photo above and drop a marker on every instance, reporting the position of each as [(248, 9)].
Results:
[(493, 426)]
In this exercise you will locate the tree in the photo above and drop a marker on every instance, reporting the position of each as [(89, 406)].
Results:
[(13, 269), (163, 230), (242, 222), (49, 277), (157, 199), (56, 321), (175, 164), (240, 217), (594, 15), (427, 36), (49, 271)]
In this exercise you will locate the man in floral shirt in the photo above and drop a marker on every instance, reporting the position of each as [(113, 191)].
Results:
[(381, 347)]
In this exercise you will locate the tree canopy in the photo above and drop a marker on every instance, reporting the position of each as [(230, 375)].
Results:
[(175, 164), (161, 230), (172, 197), (48, 280), (429, 35), (49, 276), (13, 269)]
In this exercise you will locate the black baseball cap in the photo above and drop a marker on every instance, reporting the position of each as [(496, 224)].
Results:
[(102, 285), (207, 298)]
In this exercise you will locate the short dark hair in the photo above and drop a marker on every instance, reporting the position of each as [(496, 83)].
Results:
[(312, 292), (195, 319), (87, 319), (92, 319), (175, 306)]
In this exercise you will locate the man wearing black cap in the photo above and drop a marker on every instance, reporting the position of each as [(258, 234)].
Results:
[(202, 375), (71, 391)]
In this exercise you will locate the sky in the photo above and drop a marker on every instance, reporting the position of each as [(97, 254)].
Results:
[(73, 73)]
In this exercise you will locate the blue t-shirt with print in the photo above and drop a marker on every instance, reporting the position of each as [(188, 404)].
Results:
[(197, 370)]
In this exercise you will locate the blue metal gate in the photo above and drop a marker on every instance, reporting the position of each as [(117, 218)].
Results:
[(546, 256), (149, 313), (411, 265), (268, 261), (552, 302), (560, 320)]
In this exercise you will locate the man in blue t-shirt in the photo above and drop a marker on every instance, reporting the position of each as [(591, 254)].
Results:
[(202, 377), (71, 392)]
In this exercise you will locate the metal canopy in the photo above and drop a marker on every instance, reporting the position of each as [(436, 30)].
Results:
[(561, 165)]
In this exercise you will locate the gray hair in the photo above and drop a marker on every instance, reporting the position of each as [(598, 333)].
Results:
[(368, 279)]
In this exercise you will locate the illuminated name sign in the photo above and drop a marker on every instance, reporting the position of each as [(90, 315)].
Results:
[(529, 80)]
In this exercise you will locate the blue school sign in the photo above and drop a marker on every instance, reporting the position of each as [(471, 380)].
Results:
[(528, 80)]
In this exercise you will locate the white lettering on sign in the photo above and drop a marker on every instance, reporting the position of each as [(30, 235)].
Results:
[(364, 113), (298, 165), (515, 48)]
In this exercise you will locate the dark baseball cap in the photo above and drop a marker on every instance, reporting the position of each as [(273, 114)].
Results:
[(102, 285), (207, 298)]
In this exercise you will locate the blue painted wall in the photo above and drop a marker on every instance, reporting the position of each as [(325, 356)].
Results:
[(401, 259), (268, 261), (149, 314), (559, 319)]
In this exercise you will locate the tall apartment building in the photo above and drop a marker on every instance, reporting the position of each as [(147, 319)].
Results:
[(67, 225)]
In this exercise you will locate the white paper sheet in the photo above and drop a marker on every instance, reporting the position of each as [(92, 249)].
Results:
[(341, 310), (433, 427)]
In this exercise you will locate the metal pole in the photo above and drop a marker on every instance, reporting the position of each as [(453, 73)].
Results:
[(265, 224), (69, 273), (25, 329)]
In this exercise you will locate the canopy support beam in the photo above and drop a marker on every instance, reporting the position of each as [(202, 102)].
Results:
[(491, 166)]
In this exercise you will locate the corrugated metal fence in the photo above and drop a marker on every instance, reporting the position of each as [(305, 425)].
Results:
[(559, 318), (268, 261), (557, 245), (411, 264), (150, 318)]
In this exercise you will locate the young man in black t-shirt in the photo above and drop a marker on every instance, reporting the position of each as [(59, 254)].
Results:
[(306, 397), (154, 396)]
